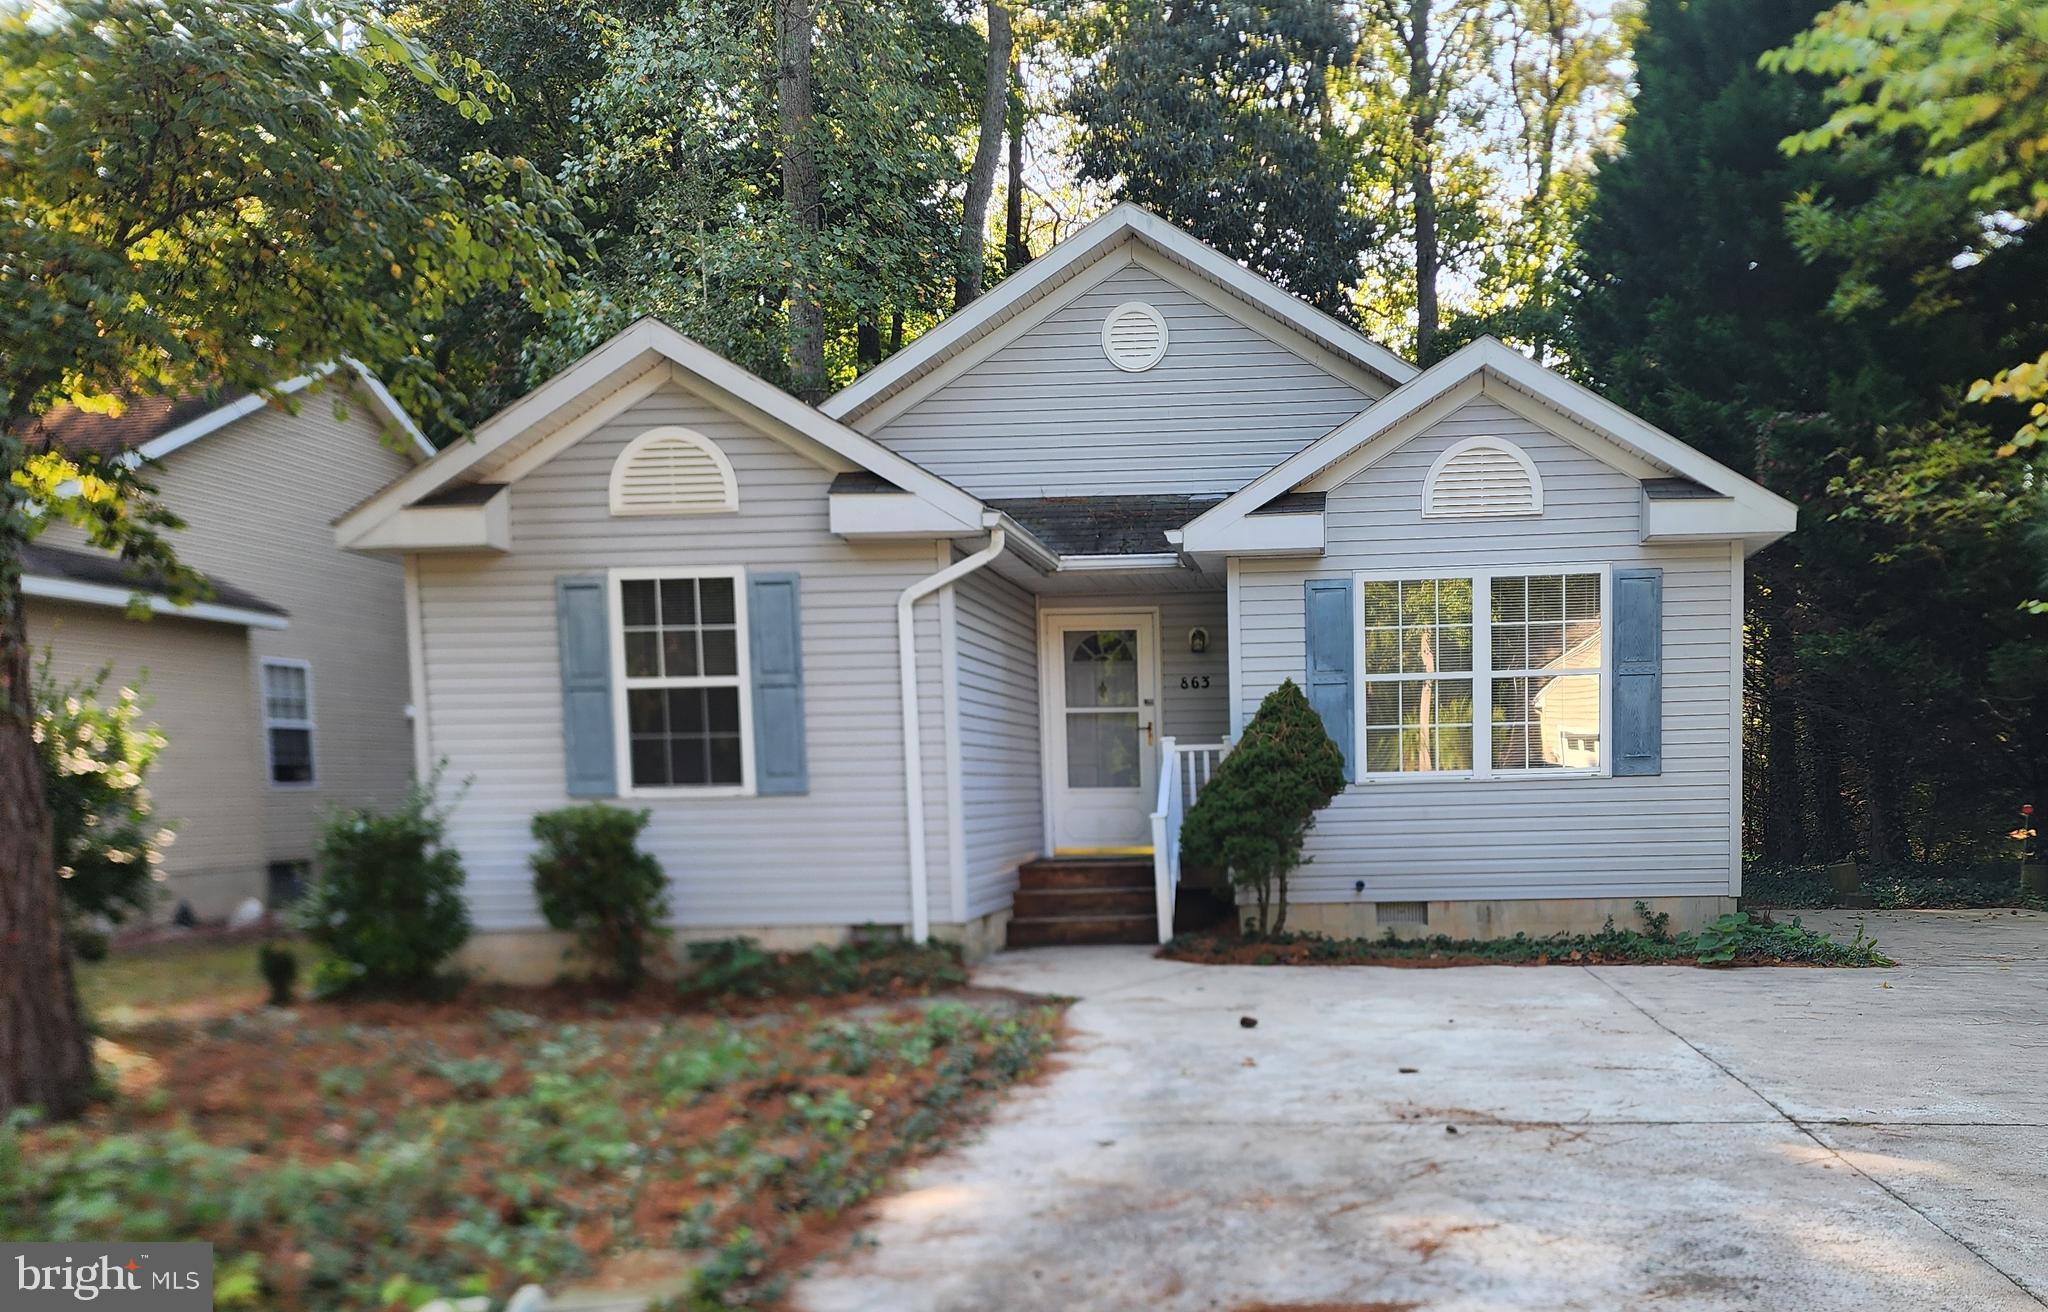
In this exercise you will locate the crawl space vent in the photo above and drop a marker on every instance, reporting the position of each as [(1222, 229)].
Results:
[(1402, 913)]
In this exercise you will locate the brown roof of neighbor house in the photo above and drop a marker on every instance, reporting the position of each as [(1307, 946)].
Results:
[(1106, 526), (109, 571), (143, 419)]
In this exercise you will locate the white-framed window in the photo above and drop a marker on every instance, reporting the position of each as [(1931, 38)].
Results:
[(1482, 674), (682, 710), (288, 722)]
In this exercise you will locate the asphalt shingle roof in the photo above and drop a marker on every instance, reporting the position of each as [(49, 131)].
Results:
[(108, 571)]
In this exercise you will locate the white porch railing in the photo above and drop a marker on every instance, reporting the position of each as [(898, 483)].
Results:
[(1184, 770)]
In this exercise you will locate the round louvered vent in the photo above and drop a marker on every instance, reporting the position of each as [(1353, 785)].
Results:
[(1134, 336), (1482, 478), (673, 471)]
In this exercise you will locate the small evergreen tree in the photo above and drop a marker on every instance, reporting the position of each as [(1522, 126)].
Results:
[(1254, 815), (387, 906)]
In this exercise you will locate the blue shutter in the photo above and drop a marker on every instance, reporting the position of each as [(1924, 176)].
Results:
[(1638, 708), (775, 642), (1326, 605), (583, 622)]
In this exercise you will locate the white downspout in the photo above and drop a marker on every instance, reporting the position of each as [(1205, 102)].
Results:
[(913, 747)]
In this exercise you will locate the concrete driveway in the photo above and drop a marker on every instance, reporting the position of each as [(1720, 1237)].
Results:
[(1494, 1137)]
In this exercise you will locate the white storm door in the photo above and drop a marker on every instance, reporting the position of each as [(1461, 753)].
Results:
[(1101, 677)]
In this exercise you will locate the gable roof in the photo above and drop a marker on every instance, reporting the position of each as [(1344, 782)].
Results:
[(151, 427), (633, 363), (1758, 514), (1045, 275)]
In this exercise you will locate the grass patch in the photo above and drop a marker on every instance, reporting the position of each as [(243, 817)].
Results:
[(1924, 887), (1738, 939), (740, 968), (373, 1155), (139, 984)]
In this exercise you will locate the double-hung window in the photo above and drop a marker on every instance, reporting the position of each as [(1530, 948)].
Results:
[(683, 708), (1483, 674), (288, 721)]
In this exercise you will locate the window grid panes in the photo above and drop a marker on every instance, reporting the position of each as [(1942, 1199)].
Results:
[(1102, 709), (680, 638), (1545, 664), (1537, 690), (1415, 630), (288, 722)]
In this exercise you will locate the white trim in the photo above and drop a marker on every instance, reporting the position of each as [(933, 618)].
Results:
[(1052, 725), (1233, 606), (1140, 560), (607, 408), (1482, 673), (1086, 246), (949, 699), (264, 665), (729, 497), (52, 588), (214, 420), (1737, 616), (1464, 447), (742, 679), (913, 746), (1135, 364), (416, 672), (628, 354), (1756, 515)]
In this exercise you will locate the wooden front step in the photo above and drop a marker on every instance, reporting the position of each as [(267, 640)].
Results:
[(1089, 899)]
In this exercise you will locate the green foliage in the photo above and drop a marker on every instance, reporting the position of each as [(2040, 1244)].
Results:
[(1221, 118), (1737, 938), (1962, 85), (738, 967), (1254, 815), (1949, 885), (540, 1161), (387, 905), (96, 754), (593, 881)]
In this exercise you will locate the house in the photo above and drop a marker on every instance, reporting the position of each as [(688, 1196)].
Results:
[(953, 651), (284, 693)]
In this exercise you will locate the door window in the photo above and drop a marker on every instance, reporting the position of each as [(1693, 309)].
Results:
[(1102, 709)]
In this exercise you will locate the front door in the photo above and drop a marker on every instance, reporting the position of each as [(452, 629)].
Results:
[(1102, 680)]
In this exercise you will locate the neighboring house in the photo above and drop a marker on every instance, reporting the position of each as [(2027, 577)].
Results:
[(285, 693), (922, 657)]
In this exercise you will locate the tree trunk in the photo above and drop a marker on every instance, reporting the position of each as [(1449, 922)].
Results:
[(45, 1052), (1422, 177), (795, 21), (1015, 253), (867, 343), (969, 270)]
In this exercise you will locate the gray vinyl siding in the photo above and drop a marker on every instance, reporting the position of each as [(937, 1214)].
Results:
[(1669, 834), (1049, 415), (1002, 795), (260, 498), (836, 856), (208, 783)]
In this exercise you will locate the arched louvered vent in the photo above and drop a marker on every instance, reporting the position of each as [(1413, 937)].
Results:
[(673, 471), (1482, 478), (1134, 336)]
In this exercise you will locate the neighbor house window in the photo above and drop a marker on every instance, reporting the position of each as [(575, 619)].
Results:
[(1482, 674), (684, 694), (288, 720)]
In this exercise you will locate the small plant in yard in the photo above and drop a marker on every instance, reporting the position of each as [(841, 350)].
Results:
[(593, 881), (96, 754), (1254, 815), (387, 906), (1737, 938), (280, 967), (740, 968)]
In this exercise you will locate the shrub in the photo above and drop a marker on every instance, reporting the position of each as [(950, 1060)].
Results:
[(387, 905), (594, 882), (1255, 813), (95, 755)]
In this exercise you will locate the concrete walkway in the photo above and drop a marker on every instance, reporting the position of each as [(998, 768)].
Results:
[(1492, 1137)]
